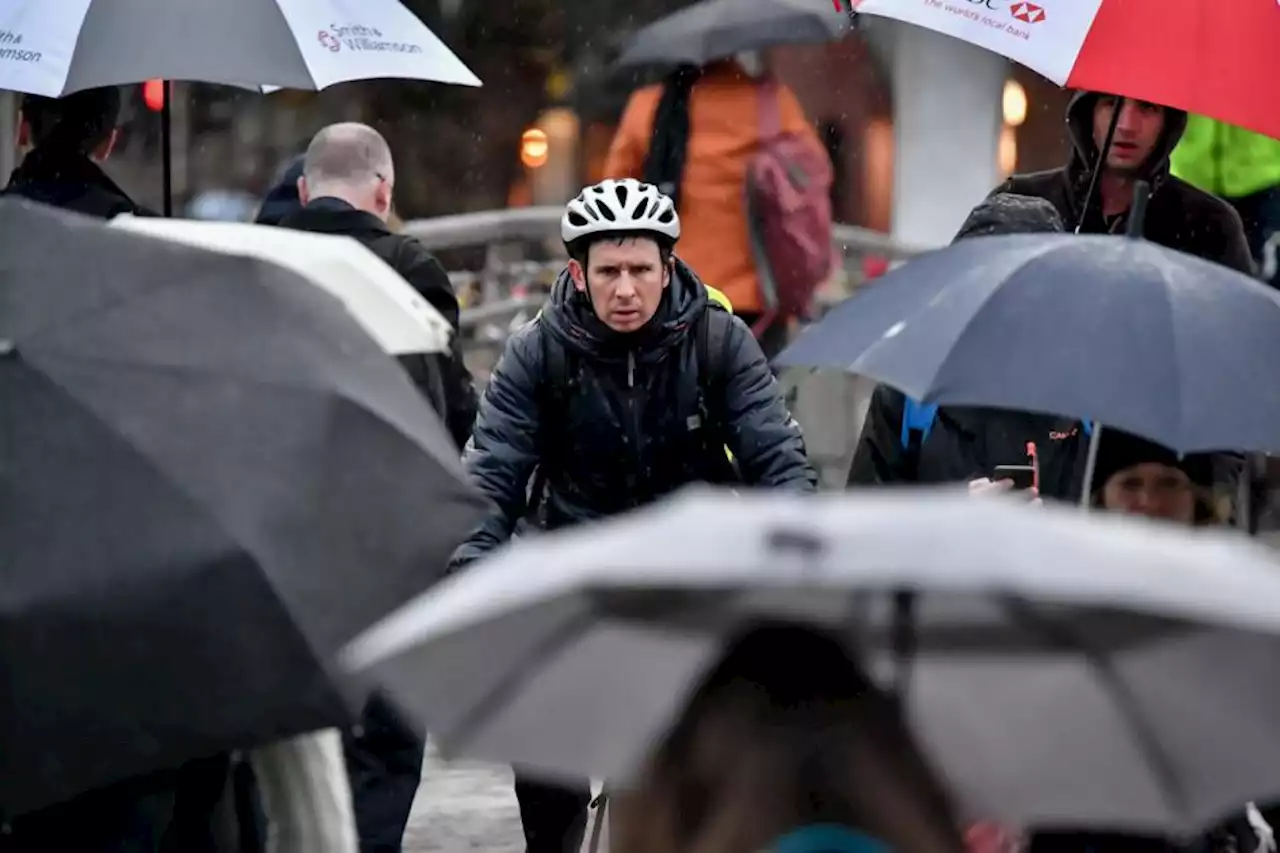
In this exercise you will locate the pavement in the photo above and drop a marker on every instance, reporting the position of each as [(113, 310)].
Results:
[(465, 807)]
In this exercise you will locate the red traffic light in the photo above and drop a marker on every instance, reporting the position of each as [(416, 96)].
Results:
[(153, 92)]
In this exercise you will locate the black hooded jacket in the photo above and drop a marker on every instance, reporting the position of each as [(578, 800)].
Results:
[(73, 182), (965, 443), (630, 430), (1179, 215)]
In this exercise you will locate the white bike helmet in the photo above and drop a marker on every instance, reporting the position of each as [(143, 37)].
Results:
[(621, 205)]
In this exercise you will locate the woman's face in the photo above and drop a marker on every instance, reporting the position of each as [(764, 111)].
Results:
[(1153, 490)]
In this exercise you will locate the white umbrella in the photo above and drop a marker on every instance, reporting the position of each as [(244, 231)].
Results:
[(1068, 670), (52, 47), (391, 311)]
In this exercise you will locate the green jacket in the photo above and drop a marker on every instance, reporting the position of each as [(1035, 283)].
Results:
[(1225, 160)]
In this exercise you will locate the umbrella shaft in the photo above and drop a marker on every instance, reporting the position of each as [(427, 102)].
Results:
[(166, 145)]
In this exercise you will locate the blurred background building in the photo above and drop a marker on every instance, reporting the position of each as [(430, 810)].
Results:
[(541, 124)]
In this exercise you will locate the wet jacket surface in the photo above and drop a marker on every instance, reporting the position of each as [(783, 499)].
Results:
[(632, 427)]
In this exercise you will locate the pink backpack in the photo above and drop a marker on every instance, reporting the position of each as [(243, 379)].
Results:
[(789, 214)]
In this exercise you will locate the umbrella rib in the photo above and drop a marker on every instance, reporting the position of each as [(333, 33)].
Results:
[(1121, 697), (525, 670)]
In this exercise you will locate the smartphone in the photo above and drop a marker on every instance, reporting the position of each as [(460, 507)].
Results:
[(1023, 476)]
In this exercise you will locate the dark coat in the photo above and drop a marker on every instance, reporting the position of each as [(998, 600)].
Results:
[(630, 431), (446, 382), (1178, 215), (965, 444), (71, 182)]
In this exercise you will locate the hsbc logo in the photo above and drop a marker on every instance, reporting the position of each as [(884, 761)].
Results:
[(1028, 13)]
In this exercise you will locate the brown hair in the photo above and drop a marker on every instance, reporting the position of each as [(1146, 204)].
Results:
[(787, 730)]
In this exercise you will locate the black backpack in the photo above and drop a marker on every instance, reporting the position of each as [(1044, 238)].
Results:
[(562, 376)]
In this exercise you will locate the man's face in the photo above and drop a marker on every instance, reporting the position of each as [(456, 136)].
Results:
[(1137, 132), (624, 280)]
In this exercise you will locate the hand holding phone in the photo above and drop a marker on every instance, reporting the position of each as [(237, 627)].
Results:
[(1022, 476)]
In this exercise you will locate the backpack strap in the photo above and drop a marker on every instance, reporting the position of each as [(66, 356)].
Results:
[(711, 350), (555, 385), (711, 353), (917, 419)]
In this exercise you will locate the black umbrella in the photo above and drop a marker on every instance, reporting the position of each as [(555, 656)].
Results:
[(210, 479), (714, 29), (1121, 331)]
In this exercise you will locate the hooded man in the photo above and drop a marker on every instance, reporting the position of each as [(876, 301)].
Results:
[(962, 443), (1178, 215)]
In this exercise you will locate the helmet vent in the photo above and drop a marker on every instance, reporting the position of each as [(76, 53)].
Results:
[(602, 211)]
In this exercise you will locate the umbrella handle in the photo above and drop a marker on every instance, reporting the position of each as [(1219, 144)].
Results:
[(903, 638), (1138, 210), (1090, 467)]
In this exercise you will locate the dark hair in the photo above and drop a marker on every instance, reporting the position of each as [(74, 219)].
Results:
[(765, 746), (78, 122), (579, 249)]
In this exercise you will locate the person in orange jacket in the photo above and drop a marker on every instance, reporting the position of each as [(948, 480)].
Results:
[(709, 123)]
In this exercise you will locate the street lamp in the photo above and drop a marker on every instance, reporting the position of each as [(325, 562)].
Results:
[(1014, 103), (534, 148)]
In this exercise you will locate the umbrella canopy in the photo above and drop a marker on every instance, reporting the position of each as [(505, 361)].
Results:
[(1068, 670), (1152, 50), (714, 29), (53, 47), (210, 480), (1122, 331), (388, 308)]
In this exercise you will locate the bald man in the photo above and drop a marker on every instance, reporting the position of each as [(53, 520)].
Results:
[(347, 183), (346, 187)]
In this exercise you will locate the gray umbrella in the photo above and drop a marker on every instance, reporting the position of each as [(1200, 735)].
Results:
[(1067, 670), (211, 479), (714, 29)]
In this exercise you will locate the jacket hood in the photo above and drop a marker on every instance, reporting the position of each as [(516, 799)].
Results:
[(282, 199), (570, 317), (1085, 152)]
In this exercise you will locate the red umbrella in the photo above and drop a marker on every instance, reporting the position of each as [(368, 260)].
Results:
[(1211, 57)]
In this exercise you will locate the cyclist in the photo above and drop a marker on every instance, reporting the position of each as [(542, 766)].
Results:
[(629, 385)]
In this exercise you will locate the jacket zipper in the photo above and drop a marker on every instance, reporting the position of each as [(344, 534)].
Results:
[(633, 428)]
